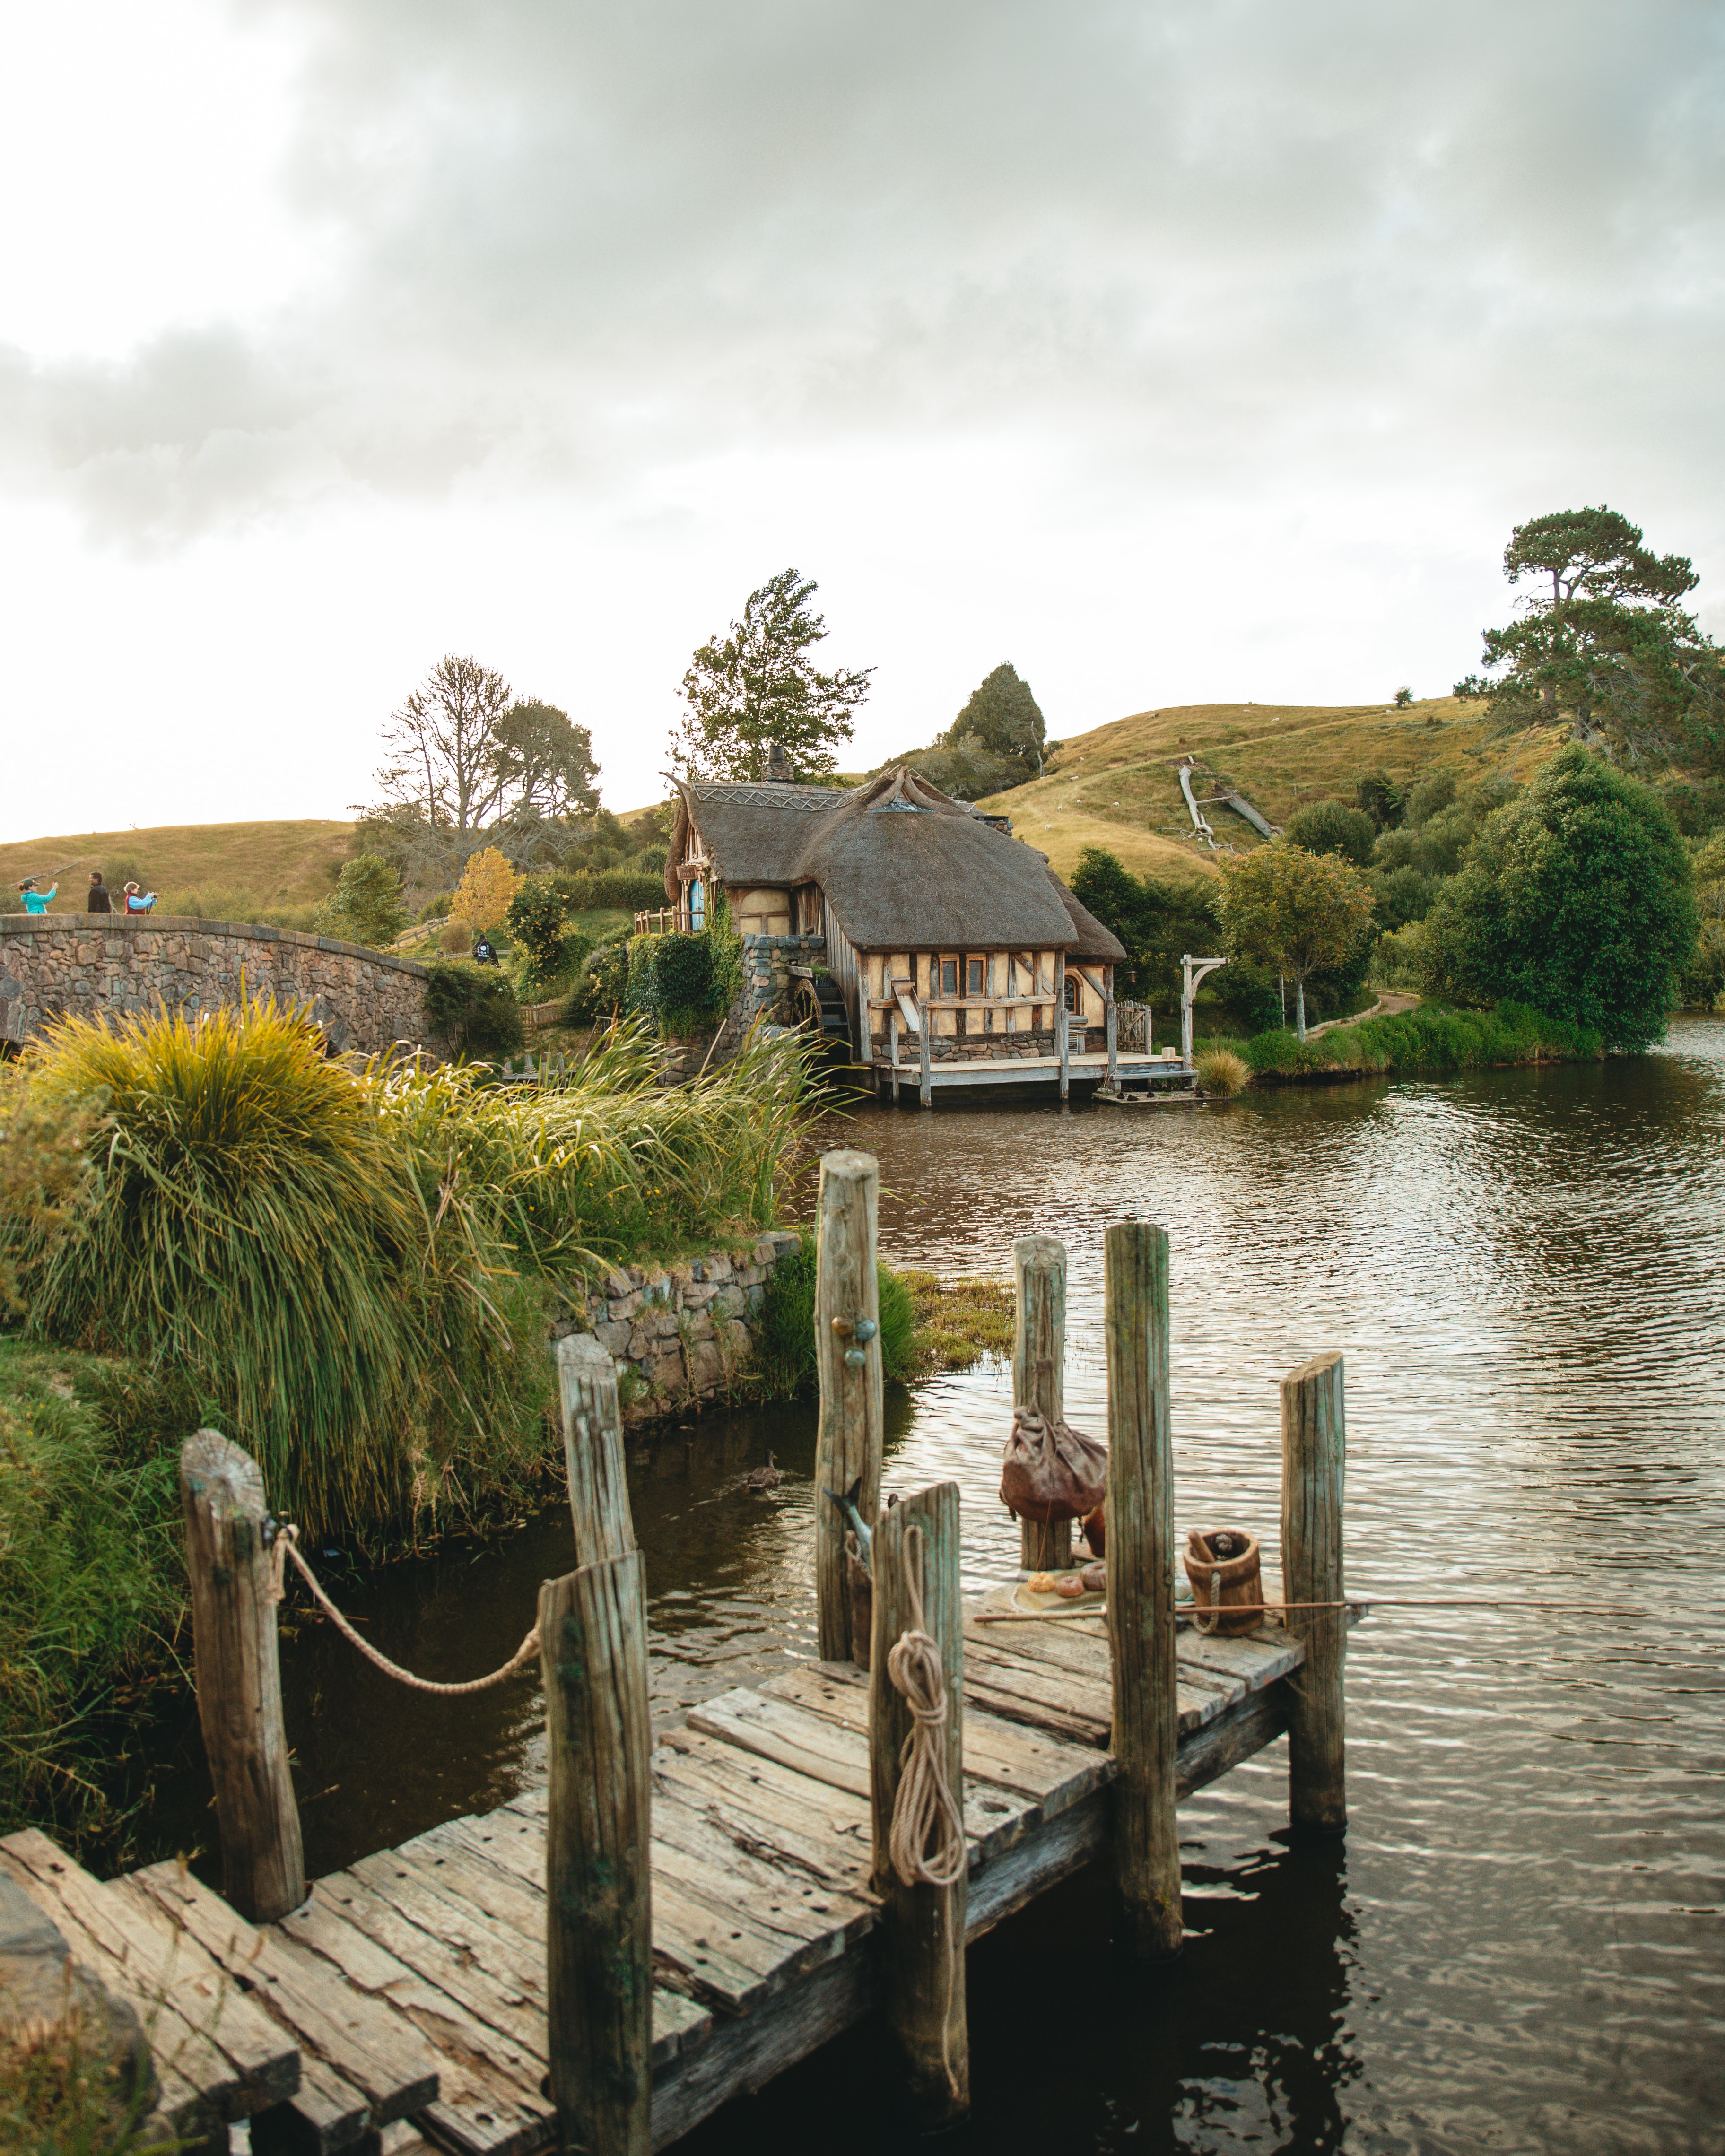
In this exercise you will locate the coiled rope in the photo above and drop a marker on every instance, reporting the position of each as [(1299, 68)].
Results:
[(286, 1545), (923, 1807)]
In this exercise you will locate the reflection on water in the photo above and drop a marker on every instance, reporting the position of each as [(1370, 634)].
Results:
[(1518, 1946)]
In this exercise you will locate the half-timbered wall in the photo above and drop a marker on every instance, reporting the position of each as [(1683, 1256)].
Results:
[(978, 1002)]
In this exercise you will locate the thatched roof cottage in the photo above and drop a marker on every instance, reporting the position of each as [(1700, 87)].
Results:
[(948, 941)]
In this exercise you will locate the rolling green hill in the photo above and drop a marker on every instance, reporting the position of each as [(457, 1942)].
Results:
[(219, 870), (1116, 786)]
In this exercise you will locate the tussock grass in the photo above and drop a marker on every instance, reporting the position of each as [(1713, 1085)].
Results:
[(1221, 1071), (959, 1321), (352, 1264), (784, 1351)]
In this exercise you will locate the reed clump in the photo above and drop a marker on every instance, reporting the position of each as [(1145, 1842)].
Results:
[(1221, 1071), (353, 1264), (1430, 1039)]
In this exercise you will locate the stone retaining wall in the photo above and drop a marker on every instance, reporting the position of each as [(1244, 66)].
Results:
[(683, 1330), (86, 965)]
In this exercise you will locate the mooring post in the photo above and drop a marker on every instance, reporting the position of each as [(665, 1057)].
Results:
[(1141, 1589), (1314, 1453), (592, 1634), (1113, 1045), (239, 1677), (1039, 1361), (1062, 1033), (926, 1087), (892, 1030), (847, 1362), (593, 1449), (916, 1552)]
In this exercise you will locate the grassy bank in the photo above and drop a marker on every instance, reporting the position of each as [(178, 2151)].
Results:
[(1419, 1041), (925, 1324)]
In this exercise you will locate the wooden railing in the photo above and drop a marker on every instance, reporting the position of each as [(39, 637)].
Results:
[(665, 921)]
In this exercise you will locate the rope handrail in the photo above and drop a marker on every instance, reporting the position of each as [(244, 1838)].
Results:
[(286, 1545)]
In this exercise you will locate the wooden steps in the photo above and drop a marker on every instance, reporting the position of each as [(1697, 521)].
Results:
[(411, 1986)]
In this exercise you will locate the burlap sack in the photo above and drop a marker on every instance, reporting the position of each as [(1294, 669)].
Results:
[(1052, 1472)]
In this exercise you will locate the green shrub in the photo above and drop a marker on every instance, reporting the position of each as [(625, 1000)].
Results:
[(535, 919), (1430, 1038), (785, 1346), (1221, 1071), (630, 890), (671, 980), (474, 1007), (601, 987), (365, 907), (92, 1582)]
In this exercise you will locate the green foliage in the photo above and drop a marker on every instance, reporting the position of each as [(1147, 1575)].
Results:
[(1601, 635), (1697, 811), (535, 920), (784, 1352), (1383, 799), (670, 982), (92, 1584), (1705, 982), (1424, 1039), (601, 987), (964, 769), (759, 684), (1156, 921), (349, 1267), (1297, 912), (625, 890), (1404, 697), (366, 906), (1331, 827), (1002, 720), (1221, 1071), (1576, 899), (1400, 896), (474, 1007)]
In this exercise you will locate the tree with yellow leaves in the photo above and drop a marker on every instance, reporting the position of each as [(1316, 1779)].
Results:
[(483, 895)]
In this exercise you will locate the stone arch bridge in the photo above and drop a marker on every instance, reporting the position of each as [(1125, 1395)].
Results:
[(87, 965)]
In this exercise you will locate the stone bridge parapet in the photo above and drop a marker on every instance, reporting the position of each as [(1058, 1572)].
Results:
[(93, 965)]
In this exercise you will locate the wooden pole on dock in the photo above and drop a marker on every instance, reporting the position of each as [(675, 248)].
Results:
[(1039, 1361), (922, 1926), (1141, 1590), (1314, 1452), (593, 1631), (239, 1677), (847, 1362), (924, 1020), (593, 1449), (1062, 1034)]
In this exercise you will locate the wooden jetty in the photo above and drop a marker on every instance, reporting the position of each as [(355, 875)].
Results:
[(602, 1962)]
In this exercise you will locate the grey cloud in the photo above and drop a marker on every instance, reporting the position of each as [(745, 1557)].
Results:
[(1206, 244)]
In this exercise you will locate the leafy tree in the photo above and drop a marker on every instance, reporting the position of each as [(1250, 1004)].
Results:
[(483, 895), (1404, 697), (602, 986), (1577, 899), (1156, 921), (759, 684), (1382, 800), (1706, 976), (1296, 911), (1002, 719), (1331, 827), (365, 907), (535, 918), (1601, 636), (466, 759)]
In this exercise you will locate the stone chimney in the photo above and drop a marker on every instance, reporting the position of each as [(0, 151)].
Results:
[(778, 765)]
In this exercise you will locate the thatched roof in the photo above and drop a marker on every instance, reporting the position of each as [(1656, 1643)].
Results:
[(903, 865)]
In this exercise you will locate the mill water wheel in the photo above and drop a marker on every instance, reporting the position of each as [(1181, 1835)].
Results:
[(819, 1008)]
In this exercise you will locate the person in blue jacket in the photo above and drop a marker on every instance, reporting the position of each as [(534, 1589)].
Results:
[(36, 902)]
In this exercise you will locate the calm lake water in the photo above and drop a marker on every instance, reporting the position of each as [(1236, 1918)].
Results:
[(1520, 1943)]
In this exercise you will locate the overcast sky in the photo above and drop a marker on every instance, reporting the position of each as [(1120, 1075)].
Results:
[(1193, 352)]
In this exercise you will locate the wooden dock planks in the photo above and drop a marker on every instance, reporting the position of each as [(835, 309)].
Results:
[(413, 1983)]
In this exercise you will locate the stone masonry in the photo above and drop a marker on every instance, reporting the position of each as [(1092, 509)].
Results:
[(681, 1333), (88, 965)]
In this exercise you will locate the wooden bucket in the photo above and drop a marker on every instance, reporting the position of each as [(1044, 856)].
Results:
[(1222, 1564)]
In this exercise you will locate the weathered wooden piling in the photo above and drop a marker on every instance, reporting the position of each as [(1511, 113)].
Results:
[(1039, 1361), (239, 1678), (593, 1449), (926, 1085), (1314, 1453), (1141, 1590), (593, 1632), (922, 1989), (1063, 1031), (847, 1354)]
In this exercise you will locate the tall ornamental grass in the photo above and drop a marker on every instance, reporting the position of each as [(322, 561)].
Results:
[(350, 1264)]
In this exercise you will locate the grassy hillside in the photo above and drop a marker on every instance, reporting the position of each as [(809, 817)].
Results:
[(193, 868), (1116, 786)]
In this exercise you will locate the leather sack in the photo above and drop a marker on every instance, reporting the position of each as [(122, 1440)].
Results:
[(1052, 1472)]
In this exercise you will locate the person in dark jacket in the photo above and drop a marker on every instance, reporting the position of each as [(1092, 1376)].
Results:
[(98, 900)]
